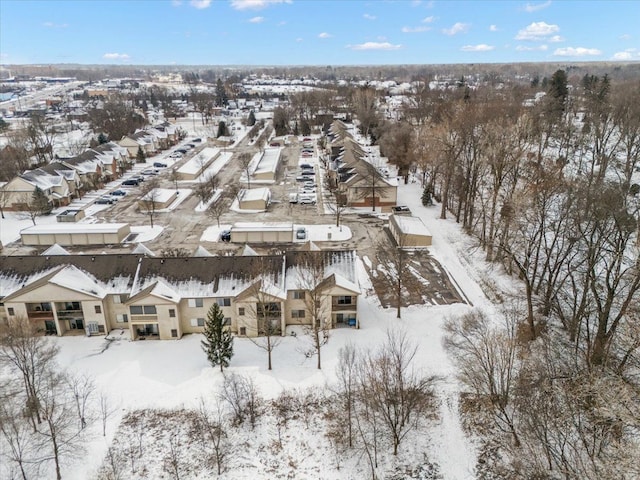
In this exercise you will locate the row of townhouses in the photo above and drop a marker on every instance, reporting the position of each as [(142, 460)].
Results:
[(350, 171), (69, 178), (166, 298)]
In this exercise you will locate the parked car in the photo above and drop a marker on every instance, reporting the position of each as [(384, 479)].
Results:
[(306, 154), (196, 140), (176, 155), (293, 198), (302, 178), (401, 210), (149, 173), (182, 150), (306, 165), (131, 182), (159, 165), (225, 235), (139, 178), (307, 173), (190, 145), (118, 193), (306, 139), (105, 200), (307, 199), (301, 233)]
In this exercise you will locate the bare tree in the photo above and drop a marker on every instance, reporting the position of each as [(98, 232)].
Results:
[(174, 176), (106, 410), (311, 273), (82, 388), (242, 395), (214, 429), (389, 383), (487, 361), (338, 204), (244, 160), (346, 371), (217, 208), (396, 260), (22, 348), (150, 198), (21, 448), (174, 462), (41, 138), (374, 184)]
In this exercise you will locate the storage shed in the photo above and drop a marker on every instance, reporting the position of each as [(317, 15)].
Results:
[(409, 232), (268, 232), (266, 165), (198, 164), (158, 199), (71, 234), (257, 199)]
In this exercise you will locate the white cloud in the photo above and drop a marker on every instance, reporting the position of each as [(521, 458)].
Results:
[(176, 3), (625, 36), (116, 56), (456, 28), (576, 52), (622, 56), (374, 46), (537, 31), (493, 28), (428, 19), (628, 54), (4, 55), (369, 17), (299, 39), (254, 4), (534, 7), (256, 20), (556, 39), (414, 29), (200, 4), (55, 25), (477, 48), (522, 48), (325, 35)]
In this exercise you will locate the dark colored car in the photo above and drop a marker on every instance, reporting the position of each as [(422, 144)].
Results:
[(401, 210), (132, 182), (181, 150), (118, 193), (196, 140), (159, 165), (225, 235), (104, 201)]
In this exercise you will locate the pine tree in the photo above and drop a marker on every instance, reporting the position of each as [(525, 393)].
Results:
[(251, 121), (40, 203), (140, 156), (222, 129), (218, 342), (426, 197), (102, 138)]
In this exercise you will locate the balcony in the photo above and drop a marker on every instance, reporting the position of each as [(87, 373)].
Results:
[(40, 314), (341, 307)]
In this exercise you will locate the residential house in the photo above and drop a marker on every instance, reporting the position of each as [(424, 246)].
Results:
[(18, 192), (141, 139)]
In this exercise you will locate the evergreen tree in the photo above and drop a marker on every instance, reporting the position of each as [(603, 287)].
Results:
[(426, 197), (140, 156), (218, 342), (40, 203), (102, 138), (251, 121), (222, 129), (557, 93), (221, 94)]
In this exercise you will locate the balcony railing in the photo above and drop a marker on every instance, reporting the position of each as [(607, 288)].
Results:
[(40, 314), (143, 318), (340, 307)]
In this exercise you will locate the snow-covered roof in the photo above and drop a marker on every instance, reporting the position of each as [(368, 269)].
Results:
[(55, 249), (248, 251), (159, 195), (262, 226), (255, 194), (268, 162), (199, 161), (202, 252), (410, 225), (142, 250), (74, 228)]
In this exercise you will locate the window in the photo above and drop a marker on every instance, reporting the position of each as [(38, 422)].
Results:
[(297, 313), (142, 309), (11, 311), (225, 321), (195, 302), (197, 322), (224, 302), (174, 333), (298, 294), (172, 313), (243, 330), (344, 300), (241, 311), (92, 327), (100, 328), (98, 308), (122, 318)]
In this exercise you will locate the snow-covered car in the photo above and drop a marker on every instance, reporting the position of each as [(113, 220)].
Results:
[(225, 235), (301, 233)]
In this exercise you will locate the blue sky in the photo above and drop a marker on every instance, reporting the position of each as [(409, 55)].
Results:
[(316, 32)]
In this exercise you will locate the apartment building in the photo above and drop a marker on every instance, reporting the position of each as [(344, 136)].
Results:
[(166, 298)]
